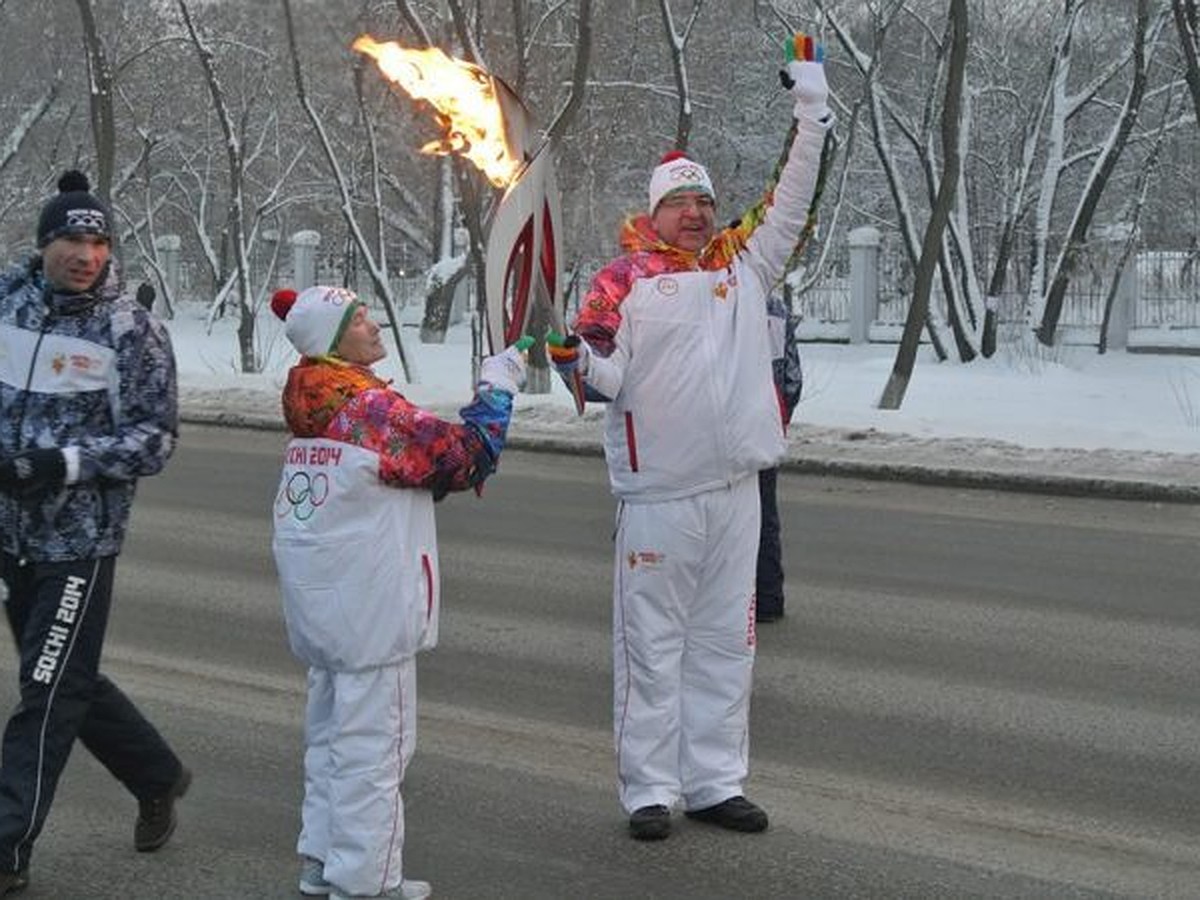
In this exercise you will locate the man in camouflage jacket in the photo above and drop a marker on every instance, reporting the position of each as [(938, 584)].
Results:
[(87, 406)]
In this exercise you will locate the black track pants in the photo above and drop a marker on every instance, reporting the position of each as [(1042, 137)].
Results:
[(769, 571), (58, 613)]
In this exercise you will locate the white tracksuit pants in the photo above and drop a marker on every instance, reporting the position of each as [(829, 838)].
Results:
[(683, 646), (360, 731)]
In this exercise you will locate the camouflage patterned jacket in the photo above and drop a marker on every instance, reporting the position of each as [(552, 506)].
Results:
[(93, 375)]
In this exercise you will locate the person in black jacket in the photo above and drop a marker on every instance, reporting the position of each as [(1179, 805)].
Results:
[(87, 406), (145, 296), (789, 381)]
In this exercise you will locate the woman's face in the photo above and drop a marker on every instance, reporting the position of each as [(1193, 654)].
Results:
[(362, 341)]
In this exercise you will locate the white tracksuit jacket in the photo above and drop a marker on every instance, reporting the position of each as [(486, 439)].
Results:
[(685, 355)]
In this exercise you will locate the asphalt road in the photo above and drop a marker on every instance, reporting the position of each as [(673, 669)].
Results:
[(973, 694)]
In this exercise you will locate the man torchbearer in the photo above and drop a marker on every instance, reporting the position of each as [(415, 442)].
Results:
[(675, 338)]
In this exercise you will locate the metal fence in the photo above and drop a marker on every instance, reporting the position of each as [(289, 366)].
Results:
[(1168, 285), (1165, 293)]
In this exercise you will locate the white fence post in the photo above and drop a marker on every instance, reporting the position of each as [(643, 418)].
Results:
[(265, 256), (1124, 309), (864, 281), (304, 259), (168, 246), (1110, 242)]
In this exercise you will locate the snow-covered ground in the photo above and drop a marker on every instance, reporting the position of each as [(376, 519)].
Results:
[(1132, 418)]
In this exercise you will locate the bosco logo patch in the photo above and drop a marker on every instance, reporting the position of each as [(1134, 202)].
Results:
[(86, 220), (646, 559)]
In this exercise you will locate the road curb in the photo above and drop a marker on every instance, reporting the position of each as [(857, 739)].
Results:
[(1061, 485), (813, 462)]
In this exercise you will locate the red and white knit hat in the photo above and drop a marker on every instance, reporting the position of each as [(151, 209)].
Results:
[(315, 319), (675, 172)]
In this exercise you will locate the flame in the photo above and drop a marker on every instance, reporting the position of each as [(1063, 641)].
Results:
[(464, 96)]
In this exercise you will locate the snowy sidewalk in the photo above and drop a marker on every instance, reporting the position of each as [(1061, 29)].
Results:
[(855, 452), (1064, 420)]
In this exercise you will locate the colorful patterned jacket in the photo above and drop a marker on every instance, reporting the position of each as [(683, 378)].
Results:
[(417, 449), (357, 558), (92, 374)]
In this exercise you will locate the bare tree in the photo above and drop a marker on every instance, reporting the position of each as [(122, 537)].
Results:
[(1187, 23), (476, 198), (237, 200), (1101, 172), (880, 111), (579, 71), (677, 40), (377, 271), (100, 80), (1129, 245), (33, 113), (893, 392)]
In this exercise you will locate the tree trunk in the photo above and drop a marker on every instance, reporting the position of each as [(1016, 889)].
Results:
[(893, 392), (101, 103), (34, 111), (678, 45), (237, 206), (379, 277), (438, 302), (1187, 23)]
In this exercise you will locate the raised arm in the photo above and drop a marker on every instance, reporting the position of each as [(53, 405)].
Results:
[(768, 233)]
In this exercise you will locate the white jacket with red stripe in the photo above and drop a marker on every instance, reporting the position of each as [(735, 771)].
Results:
[(681, 346)]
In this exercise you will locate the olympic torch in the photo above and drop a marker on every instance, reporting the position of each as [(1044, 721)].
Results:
[(484, 121)]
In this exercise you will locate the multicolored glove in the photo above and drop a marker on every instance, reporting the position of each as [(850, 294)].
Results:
[(505, 371), (33, 471), (570, 356), (804, 76), (568, 353)]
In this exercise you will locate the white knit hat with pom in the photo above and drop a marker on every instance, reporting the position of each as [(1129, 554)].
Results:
[(315, 319)]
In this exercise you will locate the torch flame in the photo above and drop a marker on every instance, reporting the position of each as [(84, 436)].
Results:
[(464, 96)]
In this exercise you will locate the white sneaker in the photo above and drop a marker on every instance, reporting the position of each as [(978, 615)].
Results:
[(407, 890), (312, 877)]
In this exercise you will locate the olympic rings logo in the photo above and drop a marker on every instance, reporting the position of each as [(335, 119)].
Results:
[(302, 495), (338, 296)]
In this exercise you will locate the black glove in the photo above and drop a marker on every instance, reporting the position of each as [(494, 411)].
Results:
[(33, 471)]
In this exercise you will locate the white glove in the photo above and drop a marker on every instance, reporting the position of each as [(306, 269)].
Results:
[(804, 77), (505, 371), (809, 89)]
